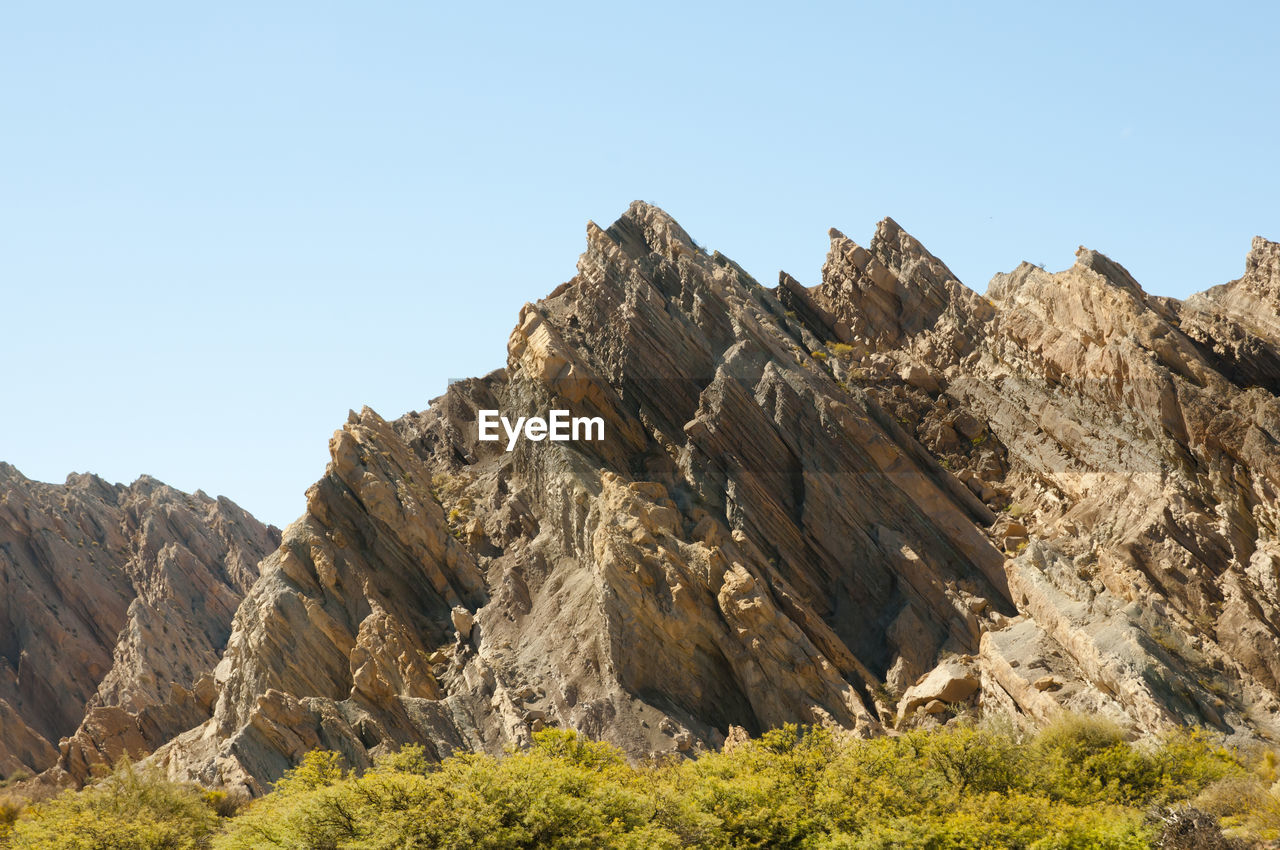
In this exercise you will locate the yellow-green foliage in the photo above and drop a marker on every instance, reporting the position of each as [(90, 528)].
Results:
[(963, 787), (564, 792), (1077, 784), (10, 808), (1248, 804), (132, 809)]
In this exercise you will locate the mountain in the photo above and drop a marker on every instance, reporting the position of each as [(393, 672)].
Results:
[(117, 602), (877, 501)]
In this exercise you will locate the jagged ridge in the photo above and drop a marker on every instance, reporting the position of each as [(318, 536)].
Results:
[(851, 503), (117, 603)]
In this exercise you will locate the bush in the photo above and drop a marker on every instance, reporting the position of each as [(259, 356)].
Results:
[(10, 808), (132, 809), (565, 792), (1077, 784), (1248, 804)]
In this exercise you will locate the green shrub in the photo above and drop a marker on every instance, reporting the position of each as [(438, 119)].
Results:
[(1077, 784), (10, 808), (564, 792), (134, 808)]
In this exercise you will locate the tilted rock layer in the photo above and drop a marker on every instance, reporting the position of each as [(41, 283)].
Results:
[(117, 601), (862, 503)]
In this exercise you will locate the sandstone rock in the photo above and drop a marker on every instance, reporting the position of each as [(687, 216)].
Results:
[(113, 597), (462, 621), (919, 377), (23, 750), (967, 426), (765, 538), (949, 682), (779, 543), (736, 737)]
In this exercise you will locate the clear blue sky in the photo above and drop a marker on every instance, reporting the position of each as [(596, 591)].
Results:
[(224, 224)]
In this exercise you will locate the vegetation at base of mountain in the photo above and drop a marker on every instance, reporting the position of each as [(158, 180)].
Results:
[(1078, 783), (133, 808)]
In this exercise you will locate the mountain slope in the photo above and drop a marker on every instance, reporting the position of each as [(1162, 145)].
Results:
[(116, 600), (859, 503)]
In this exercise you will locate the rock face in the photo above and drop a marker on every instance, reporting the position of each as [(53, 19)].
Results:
[(881, 500), (115, 601)]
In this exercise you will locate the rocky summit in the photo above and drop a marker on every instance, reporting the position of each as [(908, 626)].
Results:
[(879, 501)]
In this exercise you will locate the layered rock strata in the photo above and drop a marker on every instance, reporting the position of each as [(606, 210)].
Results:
[(117, 602), (881, 498), (877, 501)]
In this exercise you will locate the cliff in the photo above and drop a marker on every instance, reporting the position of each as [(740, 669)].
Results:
[(117, 602), (877, 501)]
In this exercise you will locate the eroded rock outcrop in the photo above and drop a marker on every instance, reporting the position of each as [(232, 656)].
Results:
[(810, 501), (115, 601)]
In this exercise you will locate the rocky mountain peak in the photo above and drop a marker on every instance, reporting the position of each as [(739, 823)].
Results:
[(1263, 262), (839, 504), (869, 503), (1234, 322), (645, 229), (117, 600), (881, 296), (1111, 272)]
